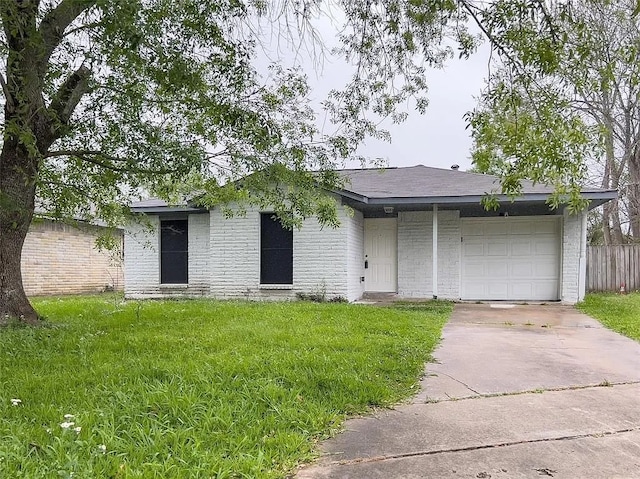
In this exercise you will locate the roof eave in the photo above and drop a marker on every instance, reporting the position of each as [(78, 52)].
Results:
[(351, 195), (597, 198), (167, 209)]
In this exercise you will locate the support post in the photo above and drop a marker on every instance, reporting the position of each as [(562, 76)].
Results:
[(434, 253), (582, 269)]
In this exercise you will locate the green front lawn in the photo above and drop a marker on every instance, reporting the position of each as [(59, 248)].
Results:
[(618, 312), (201, 388)]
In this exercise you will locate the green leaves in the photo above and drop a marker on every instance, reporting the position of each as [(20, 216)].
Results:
[(561, 100), (527, 131), (172, 99)]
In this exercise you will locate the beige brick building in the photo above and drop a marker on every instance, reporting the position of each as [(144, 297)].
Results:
[(62, 259)]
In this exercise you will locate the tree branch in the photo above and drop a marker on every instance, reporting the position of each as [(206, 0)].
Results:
[(107, 162), (53, 25), (69, 94), (123, 169), (54, 154), (7, 94)]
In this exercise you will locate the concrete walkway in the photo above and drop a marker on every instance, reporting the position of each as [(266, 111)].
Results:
[(516, 391)]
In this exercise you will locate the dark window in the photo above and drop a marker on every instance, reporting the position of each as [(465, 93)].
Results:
[(276, 251), (174, 252)]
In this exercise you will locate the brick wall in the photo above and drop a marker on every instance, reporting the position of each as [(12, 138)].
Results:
[(414, 254), (319, 258), (571, 289), (142, 259), (224, 258), (449, 254), (415, 248), (63, 259), (355, 254)]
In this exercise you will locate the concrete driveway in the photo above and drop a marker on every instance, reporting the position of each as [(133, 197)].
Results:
[(516, 391)]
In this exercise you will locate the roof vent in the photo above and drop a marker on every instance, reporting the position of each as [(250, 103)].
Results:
[(455, 167)]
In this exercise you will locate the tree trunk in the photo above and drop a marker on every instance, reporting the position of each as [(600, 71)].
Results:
[(634, 196), (17, 199), (611, 209), (30, 128)]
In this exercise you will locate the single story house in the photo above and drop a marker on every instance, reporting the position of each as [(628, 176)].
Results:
[(524, 251)]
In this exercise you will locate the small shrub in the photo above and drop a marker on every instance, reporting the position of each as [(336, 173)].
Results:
[(338, 299), (313, 297)]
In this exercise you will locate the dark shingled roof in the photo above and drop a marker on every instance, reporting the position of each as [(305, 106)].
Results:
[(423, 182), (414, 185)]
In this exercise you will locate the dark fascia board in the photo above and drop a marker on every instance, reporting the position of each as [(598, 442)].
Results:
[(598, 197), (428, 200), (351, 195), (169, 209)]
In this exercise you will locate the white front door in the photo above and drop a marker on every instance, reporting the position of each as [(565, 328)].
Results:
[(381, 255), (513, 258)]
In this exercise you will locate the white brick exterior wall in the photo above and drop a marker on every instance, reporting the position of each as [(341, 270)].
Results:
[(224, 257), (414, 254), (319, 257), (199, 248), (355, 254), (415, 247), (142, 259), (572, 289), (449, 254)]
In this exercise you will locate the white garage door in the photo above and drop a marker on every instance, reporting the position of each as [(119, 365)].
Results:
[(510, 258)]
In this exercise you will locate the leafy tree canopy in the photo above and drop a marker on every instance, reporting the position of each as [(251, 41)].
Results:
[(572, 117), (104, 99)]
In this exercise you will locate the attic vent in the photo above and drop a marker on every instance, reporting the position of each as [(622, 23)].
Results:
[(455, 167)]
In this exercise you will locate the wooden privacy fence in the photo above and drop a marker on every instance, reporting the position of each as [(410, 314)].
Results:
[(609, 267)]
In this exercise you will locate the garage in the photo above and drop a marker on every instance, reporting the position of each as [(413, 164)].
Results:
[(510, 258)]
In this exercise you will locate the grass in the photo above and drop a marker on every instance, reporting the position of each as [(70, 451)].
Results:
[(618, 312), (190, 389)]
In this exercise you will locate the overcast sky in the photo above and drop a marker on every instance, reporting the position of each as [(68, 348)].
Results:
[(438, 138)]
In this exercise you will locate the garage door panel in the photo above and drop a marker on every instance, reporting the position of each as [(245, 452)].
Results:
[(521, 228), (477, 290), (511, 258), (546, 246), (546, 269), (498, 228), (497, 269), (521, 247), (521, 290), (547, 227), (474, 248), (473, 229), (497, 248), (476, 270), (545, 290), (498, 289), (522, 269)]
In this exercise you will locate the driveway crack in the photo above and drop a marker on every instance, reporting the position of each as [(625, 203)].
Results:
[(460, 382), (405, 455), (603, 384)]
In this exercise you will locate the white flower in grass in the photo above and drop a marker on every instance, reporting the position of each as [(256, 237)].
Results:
[(77, 429), (66, 425), (102, 448), (68, 416), (16, 402)]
